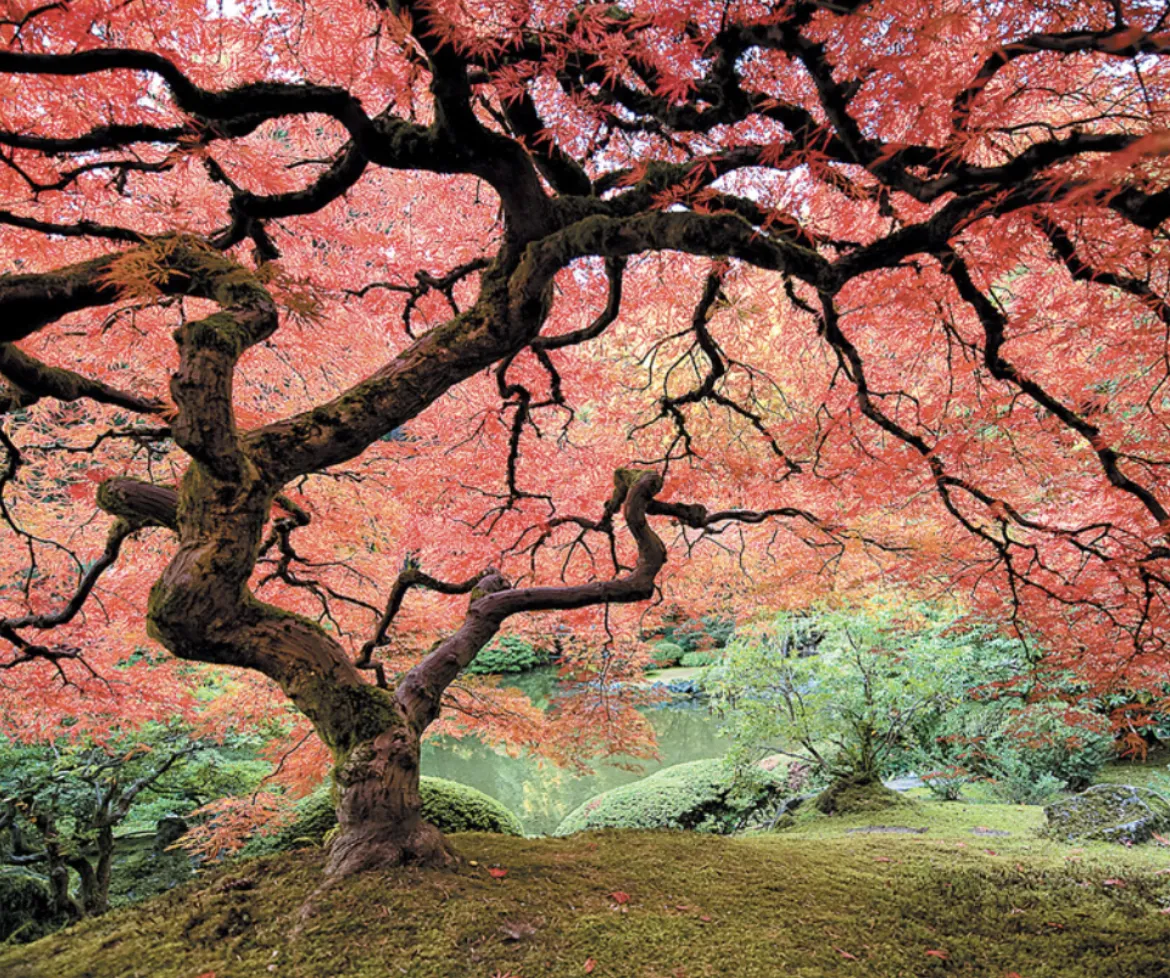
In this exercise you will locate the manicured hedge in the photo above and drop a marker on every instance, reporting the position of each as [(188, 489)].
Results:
[(700, 795)]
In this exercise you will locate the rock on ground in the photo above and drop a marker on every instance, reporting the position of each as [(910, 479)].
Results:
[(1110, 812)]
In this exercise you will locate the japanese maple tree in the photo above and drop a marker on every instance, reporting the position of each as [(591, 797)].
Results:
[(488, 298)]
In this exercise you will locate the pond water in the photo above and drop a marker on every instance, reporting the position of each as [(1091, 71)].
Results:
[(542, 794)]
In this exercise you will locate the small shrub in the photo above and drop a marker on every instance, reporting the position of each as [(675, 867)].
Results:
[(942, 765), (26, 906), (508, 654), (720, 629), (709, 657), (703, 796), (146, 871), (455, 807), (851, 796), (1015, 780), (666, 654)]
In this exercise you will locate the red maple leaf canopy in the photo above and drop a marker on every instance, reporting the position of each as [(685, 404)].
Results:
[(335, 338)]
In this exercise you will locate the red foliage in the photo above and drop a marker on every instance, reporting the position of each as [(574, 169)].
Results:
[(937, 358)]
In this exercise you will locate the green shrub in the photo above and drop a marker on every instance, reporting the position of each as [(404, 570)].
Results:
[(694, 634), (667, 654), (709, 658), (450, 806), (850, 708), (703, 796), (455, 807), (1027, 745), (1015, 780), (853, 797), (26, 906), (142, 871), (508, 654)]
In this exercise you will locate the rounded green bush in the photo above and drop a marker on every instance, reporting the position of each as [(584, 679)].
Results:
[(450, 806), (455, 807), (508, 654), (26, 906), (700, 795), (667, 654)]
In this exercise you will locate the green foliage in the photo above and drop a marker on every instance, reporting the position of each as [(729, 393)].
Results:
[(692, 660), (1013, 744), (869, 693), (850, 797), (1016, 781), (667, 654), (26, 906), (509, 654), (704, 796), (64, 802), (696, 634), (850, 706), (450, 806)]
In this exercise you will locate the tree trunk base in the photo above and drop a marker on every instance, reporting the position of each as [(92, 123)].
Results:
[(367, 846)]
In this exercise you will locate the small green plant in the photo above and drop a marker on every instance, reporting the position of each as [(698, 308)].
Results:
[(666, 654), (1014, 779), (509, 654)]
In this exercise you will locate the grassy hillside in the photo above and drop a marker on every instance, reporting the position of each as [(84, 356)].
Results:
[(820, 899)]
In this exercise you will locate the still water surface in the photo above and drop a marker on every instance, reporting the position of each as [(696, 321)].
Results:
[(542, 794)]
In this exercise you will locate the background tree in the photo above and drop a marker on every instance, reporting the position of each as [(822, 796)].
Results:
[(63, 802), (881, 280)]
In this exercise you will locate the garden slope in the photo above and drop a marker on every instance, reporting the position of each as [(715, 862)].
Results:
[(810, 903)]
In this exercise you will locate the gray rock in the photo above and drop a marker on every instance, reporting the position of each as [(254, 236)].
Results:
[(1109, 812), (169, 829)]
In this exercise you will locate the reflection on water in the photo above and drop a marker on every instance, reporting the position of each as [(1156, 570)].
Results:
[(542, 794)]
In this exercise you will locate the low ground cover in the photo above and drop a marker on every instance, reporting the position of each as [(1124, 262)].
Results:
[(979, 893)]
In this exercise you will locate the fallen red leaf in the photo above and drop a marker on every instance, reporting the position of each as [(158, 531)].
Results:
[(705, 919), (1114, 883), (498, 873), (619, 897), (590, 964), (941, 955)]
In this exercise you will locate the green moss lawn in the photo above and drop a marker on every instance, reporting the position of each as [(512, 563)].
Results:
[(815, 901)]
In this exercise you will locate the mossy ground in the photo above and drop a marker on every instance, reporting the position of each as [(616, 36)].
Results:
[(814, 901), (1152, 771)]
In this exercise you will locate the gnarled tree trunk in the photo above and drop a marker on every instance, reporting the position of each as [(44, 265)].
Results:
[(379, 811)]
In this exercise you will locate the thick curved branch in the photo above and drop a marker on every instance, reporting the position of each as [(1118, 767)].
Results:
[(421, 690), (34, 380)]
